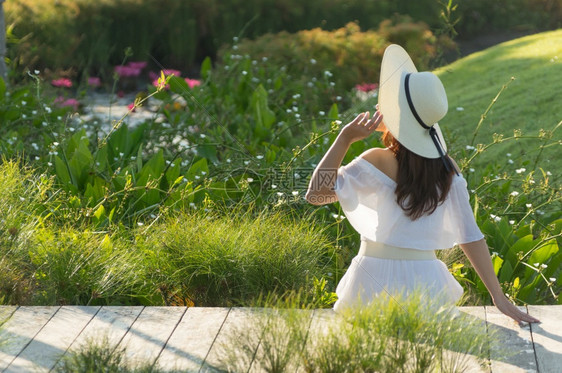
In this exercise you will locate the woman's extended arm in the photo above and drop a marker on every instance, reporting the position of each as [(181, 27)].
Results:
[(479, 255), (321, 187)]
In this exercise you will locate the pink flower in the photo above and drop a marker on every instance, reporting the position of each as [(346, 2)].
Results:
[(137, 64), (94, 81), (127, 71), (192, 82), (71, 102), (62, 82), (366, 87), (132, 108)]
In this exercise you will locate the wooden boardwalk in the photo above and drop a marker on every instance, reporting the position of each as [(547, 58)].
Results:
[(33, 339)]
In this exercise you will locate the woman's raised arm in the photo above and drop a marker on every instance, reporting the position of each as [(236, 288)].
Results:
[(321, 187), (479, 255)]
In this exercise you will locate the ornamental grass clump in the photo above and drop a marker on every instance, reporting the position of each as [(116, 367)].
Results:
[(388, 335), (230, 258)]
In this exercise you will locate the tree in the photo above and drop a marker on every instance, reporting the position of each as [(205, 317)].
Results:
[(3, 69)]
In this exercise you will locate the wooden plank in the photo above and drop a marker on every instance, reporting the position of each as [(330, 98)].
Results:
[(6, 312), (469, 363), (53, 340), (192, 339), (109, 326), (238, 319), (149, 333), (20, 329), (547, 337), (513, 351)]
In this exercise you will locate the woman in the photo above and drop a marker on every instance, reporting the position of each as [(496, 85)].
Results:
[(406, 200)]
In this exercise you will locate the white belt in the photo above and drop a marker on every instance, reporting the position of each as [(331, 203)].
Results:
[(384, 251)]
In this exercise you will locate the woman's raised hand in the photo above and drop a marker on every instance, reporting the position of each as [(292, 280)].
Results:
[(362, 126)]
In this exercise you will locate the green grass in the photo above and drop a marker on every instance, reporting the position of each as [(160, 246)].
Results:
[(530, 103), (388, 335)]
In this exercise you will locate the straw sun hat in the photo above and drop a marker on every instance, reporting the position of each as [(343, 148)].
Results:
[(412, 103)]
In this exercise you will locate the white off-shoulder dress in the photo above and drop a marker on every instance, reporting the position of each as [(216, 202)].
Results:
[(367, 198)]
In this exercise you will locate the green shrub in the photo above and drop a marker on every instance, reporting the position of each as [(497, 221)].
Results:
[(233, 258), (350, 55)]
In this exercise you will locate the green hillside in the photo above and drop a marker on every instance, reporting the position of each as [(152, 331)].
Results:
[(530, 103)]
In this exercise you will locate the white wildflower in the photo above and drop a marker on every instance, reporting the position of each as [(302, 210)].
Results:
[(520, 170), (510, 161), (273, 186), (321, 113), (313, 61), (460, 108), (249, 179), (511, 222), (528, 205), (295, 192), (259, 156), (514, 193)]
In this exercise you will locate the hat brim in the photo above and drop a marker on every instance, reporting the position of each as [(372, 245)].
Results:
[(397, 116)]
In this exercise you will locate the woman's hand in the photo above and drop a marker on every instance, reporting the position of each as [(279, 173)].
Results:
[(479, 255), (506, 307), (361, 127)]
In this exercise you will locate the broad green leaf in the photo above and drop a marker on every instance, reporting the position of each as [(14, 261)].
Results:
[(524, 245), (2, 88), (179, 86), (506, 272), (543, 253), (333, 113), (207, 151), (497, 262), (62, 172), (263, 116), (196, 168), (99, 214), (95, 191), (173, 172), (206, 68)]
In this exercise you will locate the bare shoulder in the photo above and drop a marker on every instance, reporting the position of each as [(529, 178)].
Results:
[(383, 159)]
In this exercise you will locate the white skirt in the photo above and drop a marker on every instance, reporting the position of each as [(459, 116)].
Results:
[(368, 277)]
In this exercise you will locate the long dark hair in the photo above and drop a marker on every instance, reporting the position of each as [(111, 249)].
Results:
[(422, 183)]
